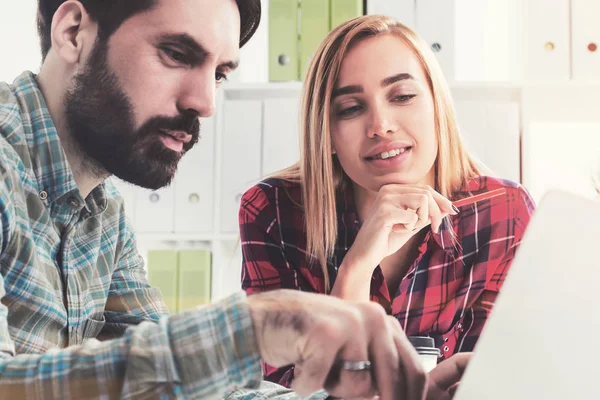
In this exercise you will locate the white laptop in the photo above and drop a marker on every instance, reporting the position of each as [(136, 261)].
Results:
[(540, 341)]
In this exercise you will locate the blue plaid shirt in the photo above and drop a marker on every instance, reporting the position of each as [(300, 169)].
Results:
[(71, 277)]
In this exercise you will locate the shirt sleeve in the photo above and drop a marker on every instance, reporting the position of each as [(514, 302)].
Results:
[(265, 263), (519, 216), (272, 391), (199, 354)]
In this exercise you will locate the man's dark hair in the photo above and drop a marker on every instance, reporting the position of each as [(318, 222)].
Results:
[(110, 14)]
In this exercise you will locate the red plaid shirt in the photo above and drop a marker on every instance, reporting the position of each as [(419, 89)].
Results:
[(449, 290)]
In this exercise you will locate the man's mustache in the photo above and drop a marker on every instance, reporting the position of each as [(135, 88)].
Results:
[(185, 123), (182, 123)]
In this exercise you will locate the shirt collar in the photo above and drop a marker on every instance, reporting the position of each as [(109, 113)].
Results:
[(48, 160)]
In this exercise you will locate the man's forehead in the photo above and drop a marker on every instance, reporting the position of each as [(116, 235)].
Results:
[(214, 24)]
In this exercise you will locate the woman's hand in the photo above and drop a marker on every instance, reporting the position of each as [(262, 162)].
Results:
[(445, 378), (398, 213)]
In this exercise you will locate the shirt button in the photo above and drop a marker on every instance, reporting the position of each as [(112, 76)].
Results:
[(445, 340), (460, 327), (446, 348), (43, 195), (74, 202)]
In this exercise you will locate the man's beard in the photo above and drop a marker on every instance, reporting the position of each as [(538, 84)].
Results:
[(101, 121)]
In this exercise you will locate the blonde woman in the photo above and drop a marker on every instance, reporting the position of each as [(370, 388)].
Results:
[(367, 211)]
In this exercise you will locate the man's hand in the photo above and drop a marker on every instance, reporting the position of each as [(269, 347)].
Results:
[(317, 333), (444, 379)]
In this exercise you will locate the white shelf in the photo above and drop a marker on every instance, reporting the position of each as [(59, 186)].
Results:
[(235, 87), (185, 237)]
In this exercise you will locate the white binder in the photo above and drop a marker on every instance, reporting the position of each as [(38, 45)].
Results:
[(154, 210), (254, 56), (436, 23), (556, 159), (194, 184), (281, 145), (547, 42), (585, 38), (240, 156), (491, 131), (402, 10)]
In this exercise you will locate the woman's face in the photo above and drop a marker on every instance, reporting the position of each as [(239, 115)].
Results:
[(382, 116)]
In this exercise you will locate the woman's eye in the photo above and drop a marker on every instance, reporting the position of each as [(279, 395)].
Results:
[(404, 98), (349, 111)]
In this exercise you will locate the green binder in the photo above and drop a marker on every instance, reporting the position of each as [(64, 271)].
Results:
[(314, 26), (194, 278), (344, 10), (162, 274), (283, 40)]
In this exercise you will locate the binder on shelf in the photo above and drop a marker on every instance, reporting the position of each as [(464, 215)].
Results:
[(280, 140), (193, 185), (579, 164), (240, 156), (491, 130), (162, 274), (402, 10), (154, 210), (254, 56), (547, 44), (314, 26), (585, 36), (436, 23), (344, 10), (503, 145), (283, 40), (194, 278)]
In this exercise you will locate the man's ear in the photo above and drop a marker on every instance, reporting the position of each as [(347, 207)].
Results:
[(72, 31)]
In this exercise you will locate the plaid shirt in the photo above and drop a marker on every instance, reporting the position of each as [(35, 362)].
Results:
[(447, 293), (71, 274)]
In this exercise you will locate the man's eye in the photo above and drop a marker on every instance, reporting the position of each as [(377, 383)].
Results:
[(220, 77), (176, 56)]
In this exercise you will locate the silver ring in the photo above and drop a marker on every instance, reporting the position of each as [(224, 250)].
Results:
[(356, 365)]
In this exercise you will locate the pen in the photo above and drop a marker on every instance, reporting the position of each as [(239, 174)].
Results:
[(478, 197)]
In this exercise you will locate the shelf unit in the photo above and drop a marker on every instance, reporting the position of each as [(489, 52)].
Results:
[(501, 46)]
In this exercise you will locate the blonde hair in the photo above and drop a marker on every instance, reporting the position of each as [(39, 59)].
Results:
[(320, 174)]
